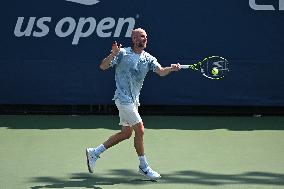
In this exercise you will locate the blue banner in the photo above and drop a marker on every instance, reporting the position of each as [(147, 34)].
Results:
[(51, 50)]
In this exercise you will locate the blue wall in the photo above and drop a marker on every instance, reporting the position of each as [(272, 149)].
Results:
[(55, 58)]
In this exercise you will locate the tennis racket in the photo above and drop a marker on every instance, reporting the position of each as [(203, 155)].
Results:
[(212, 67)]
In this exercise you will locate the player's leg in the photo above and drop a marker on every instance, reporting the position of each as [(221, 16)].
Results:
[(138, 138), (124, 134), (144, 167), (126, 116), (94, 153)]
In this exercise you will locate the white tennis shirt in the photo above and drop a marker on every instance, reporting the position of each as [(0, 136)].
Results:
[(130, 71)]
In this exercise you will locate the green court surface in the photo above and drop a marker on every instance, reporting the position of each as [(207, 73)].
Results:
[(197, 152)]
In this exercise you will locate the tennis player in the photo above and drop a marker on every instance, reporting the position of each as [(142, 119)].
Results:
[(131, 66)]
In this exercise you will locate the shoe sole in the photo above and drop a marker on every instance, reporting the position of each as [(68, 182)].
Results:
[(153, 179), (89, 168)]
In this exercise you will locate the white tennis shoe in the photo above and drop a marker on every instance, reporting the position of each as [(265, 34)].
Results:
[(91, 159), (149, 173)]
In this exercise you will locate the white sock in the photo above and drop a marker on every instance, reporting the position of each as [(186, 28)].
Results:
[(100, 149), (143, 162)]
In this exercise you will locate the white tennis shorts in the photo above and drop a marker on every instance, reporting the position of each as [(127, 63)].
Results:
[(128, 114)]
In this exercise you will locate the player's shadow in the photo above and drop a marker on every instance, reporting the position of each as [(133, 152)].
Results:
[(128, 177), (85, 180)]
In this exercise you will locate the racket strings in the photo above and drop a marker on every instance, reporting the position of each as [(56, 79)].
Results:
[(210, 64)]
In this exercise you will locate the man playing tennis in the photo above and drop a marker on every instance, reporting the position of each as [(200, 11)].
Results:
[(131, 66)]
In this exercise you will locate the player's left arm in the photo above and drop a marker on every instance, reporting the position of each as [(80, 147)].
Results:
[(163, 71)]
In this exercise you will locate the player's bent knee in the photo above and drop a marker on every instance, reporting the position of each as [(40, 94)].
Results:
[(126, 136), (126, 133), (139, 129)]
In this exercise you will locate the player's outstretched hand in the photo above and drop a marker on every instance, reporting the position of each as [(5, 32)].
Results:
[(115, 48), (175, 67)]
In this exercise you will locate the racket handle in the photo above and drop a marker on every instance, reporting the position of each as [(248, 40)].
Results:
[(184, 66)]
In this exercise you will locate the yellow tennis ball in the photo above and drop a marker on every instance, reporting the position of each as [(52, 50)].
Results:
[(214, 71)]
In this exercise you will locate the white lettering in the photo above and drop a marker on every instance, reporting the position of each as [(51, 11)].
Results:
[(43, 27), (105, 24), (281, 5), (255, 6), (107, 27), (71, 27), (79, 30), (28, 30), (121, 22)]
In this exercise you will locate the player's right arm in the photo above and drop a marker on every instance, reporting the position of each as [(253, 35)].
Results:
[(105, 64)]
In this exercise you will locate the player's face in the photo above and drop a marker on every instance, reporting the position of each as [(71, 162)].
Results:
[(141, 40)]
